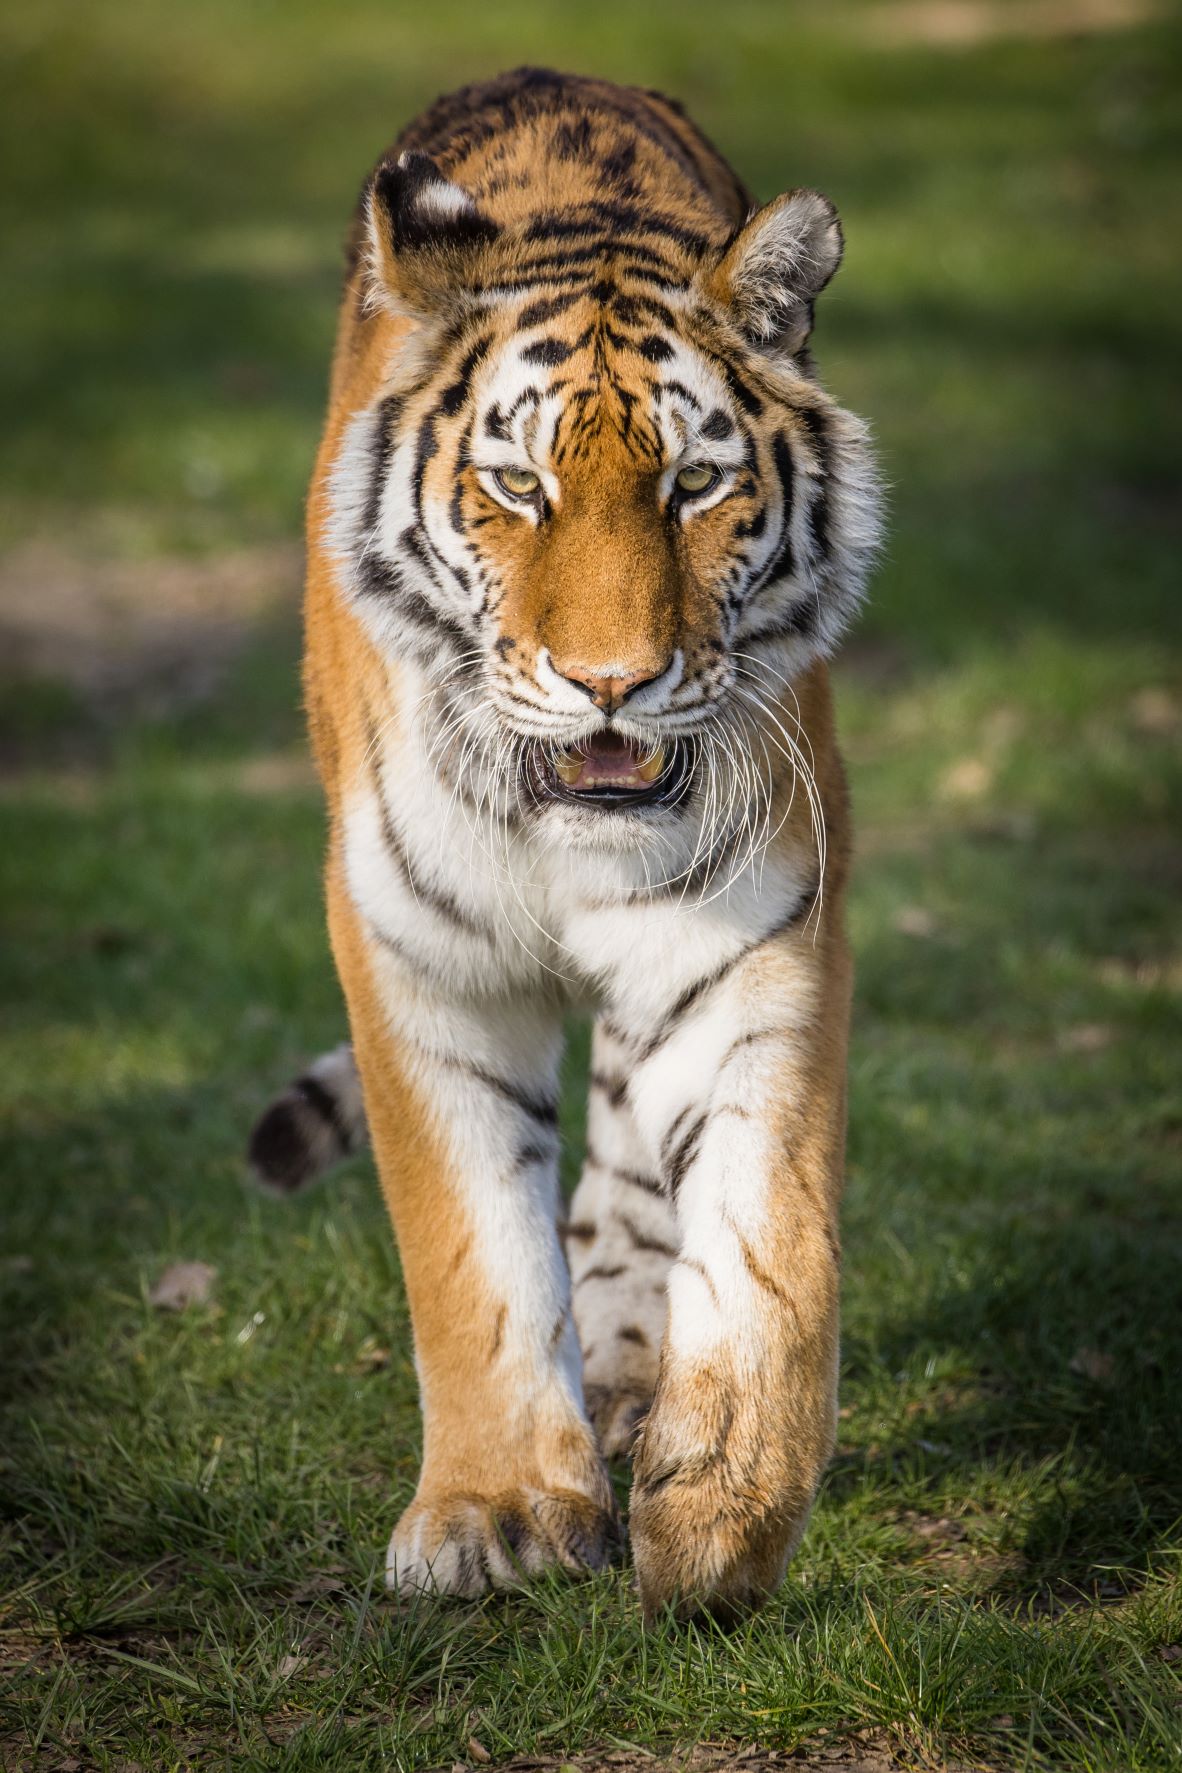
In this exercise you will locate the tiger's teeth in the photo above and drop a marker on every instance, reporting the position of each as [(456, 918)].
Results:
[(569, 764), (653, 764)]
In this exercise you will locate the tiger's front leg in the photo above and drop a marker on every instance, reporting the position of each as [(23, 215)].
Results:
[(743, 1090), (461, 1106)]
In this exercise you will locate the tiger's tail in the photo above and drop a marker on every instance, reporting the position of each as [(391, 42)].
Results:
[(316, 1123)]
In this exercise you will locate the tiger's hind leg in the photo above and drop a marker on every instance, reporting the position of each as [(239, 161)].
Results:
[(620, 1240)]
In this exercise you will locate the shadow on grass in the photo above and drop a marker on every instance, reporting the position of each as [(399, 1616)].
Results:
[(1065, 1395), (1067, 1380)]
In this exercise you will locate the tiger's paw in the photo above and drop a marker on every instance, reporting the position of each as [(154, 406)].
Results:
[(616, 1414), (463, 1544), (718, 1503)]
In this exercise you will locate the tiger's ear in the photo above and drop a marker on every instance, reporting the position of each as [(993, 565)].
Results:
[(776, 266), (425, 236)]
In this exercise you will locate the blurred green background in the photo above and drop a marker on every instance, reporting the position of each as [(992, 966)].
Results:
[(193, 1503)]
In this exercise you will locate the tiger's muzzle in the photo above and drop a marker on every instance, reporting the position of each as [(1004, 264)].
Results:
[(610, 772)]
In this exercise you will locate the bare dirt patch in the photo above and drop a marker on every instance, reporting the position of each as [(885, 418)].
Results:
[(866, 1751), (162, 630)]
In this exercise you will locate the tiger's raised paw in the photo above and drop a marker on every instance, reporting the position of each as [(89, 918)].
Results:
[(462, 1544)]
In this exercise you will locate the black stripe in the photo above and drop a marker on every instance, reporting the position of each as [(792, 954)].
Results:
[(684, 1153), (614, 1088), (544, 1112), (634, 308), (455, 509), (415, 541), (802, 619), (749, 401), (527, 397), (632, 1178), (682, 392), (567, 261), (419, 609), (717, 425), (628, 256), (549, 353), (641, 1241), (327, 1107), (384, 580), (547, 308), (396, 948), (621, 219), (573, 140), (691, 995), (454, 396), (783, 562), (815, 424), (388, 415), (436, 898), (619, 162), (751, 527), (670, 1132), (552, 275), (495, 424), (425, 449), (534, 1154), (700, 1269), (756, 1036)]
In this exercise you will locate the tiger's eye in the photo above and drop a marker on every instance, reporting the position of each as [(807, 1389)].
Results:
[(696, 478), (519, 483)]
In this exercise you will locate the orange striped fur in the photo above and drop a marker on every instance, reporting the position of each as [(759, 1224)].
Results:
[(583, 530)]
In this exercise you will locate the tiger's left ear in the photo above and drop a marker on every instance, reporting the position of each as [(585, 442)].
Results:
[(775, 268)]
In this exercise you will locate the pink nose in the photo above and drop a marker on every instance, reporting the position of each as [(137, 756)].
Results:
[(608, 693)]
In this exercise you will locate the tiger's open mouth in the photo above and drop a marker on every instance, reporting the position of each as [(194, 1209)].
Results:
[(609, 770)]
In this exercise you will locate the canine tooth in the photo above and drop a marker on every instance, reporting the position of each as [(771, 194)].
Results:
[(650, 767), (569, 764)]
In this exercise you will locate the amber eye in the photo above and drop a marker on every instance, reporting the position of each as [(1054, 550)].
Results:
[(519, 483), (697, 478)]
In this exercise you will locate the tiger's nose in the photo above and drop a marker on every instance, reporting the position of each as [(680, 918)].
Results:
[(609, 692)]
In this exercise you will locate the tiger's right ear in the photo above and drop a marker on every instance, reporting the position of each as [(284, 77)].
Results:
[(425, 236)]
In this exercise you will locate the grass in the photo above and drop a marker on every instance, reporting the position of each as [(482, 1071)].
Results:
[(196, 1505)]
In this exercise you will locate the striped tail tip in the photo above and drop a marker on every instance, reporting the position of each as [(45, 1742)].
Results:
[(316, 1123)]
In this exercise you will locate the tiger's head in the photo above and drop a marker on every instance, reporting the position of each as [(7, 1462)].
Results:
[(602, 500)]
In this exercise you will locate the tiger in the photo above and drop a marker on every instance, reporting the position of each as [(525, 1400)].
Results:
[(583, 531)]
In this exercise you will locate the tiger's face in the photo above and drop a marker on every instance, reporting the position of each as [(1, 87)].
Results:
[(607, 514)]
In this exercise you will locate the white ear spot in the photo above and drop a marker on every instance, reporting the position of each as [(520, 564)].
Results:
[(423, 208), (444, 200), (440, 200), (424, 232)]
